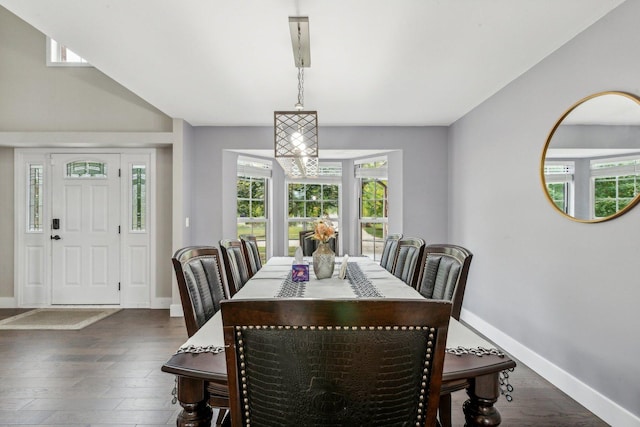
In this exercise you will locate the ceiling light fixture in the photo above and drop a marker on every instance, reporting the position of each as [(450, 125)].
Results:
[(296, 132)]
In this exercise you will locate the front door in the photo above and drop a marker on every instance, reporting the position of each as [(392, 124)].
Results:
[(85, 245)]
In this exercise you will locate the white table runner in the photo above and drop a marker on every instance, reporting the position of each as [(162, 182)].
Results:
[(266, 283)]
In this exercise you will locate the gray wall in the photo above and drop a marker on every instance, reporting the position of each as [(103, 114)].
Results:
[(6, 222), (567, 291), (423, 174), (40, 98), (164, 203)]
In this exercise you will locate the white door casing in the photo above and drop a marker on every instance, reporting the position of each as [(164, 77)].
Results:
[(34, 256), (85, 265)]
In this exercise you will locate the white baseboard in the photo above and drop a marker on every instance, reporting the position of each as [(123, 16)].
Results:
[(163, 303), (609, 411), (175, 310), (8, 302)]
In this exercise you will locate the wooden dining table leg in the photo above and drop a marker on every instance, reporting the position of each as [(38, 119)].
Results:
[(192, 396), (483, 392)]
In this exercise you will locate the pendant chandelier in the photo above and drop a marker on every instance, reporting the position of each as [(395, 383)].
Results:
[(296, 132)]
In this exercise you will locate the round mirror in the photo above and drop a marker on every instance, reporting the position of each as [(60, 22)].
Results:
[(590, 164)]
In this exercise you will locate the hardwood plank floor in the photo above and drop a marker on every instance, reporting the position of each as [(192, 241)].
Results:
[(108, 374)]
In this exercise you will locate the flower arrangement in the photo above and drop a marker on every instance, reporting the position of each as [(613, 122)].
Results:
[(323, 230)]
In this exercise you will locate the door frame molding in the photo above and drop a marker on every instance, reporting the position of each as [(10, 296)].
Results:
[(32, 285)]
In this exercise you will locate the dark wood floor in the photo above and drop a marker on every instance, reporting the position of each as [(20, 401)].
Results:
[(108, 374)]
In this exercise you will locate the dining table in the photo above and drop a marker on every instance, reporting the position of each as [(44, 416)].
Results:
[(471, 361)]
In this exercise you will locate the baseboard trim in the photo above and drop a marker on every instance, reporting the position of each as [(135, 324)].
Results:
[(175, 310), (609, 411), (163, 303)]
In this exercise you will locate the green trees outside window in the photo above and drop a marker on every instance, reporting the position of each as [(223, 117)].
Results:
[(35, 198), (614, 193), (558, 193), (252, 210), (373, 216), (308, 202), (138, 197)]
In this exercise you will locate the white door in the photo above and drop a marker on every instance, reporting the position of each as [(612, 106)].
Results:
[(85, 247)]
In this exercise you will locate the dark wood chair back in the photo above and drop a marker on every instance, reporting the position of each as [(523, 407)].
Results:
[(235, 264), (200, 283), (406, 266), (308, 362), (390, 251), (309, 245), (251, 253), (444, 270)]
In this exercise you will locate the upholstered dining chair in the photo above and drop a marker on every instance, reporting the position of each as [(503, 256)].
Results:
[(251, 253), (309, 245), (443, 274), (200, 284), (444, 269), (235, 264), (406, 265), (202, 288), (389, 251), (320, 362)]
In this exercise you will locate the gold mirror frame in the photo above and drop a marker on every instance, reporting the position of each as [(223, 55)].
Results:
[(543, 160)]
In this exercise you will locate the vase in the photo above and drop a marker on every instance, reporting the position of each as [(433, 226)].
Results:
[(324, 261)]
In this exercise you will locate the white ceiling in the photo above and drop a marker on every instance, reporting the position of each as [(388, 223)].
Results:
[(373, 62)]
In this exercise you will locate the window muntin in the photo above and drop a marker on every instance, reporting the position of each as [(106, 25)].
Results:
[(616, 182), (35, 198), (309, 201), (138, 197)]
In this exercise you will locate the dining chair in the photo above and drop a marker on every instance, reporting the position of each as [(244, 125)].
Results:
[(309, 245), (251, 253), (200, 284), (444, 269), (343, 362), (390, 251), (202, 288), (235, 264), (443, 274), (408, 257)]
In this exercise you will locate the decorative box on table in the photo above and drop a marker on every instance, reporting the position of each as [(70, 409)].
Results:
[(300, 272)]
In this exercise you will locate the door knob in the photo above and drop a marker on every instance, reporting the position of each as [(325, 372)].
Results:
[(56, 237)]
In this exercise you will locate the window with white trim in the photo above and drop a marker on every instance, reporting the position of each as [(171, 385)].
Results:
[(373, 186), (35, 198), (138, 197), (253, 197), (311, 198), (615, 183), (60, 55), (558, 178)]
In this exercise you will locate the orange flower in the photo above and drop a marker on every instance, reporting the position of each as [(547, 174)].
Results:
[(323, 230)]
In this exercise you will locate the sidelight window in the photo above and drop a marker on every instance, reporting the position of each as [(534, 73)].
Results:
[(35, 196), (138, 197)]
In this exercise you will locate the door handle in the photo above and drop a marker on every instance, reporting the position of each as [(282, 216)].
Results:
[(56, 237)]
